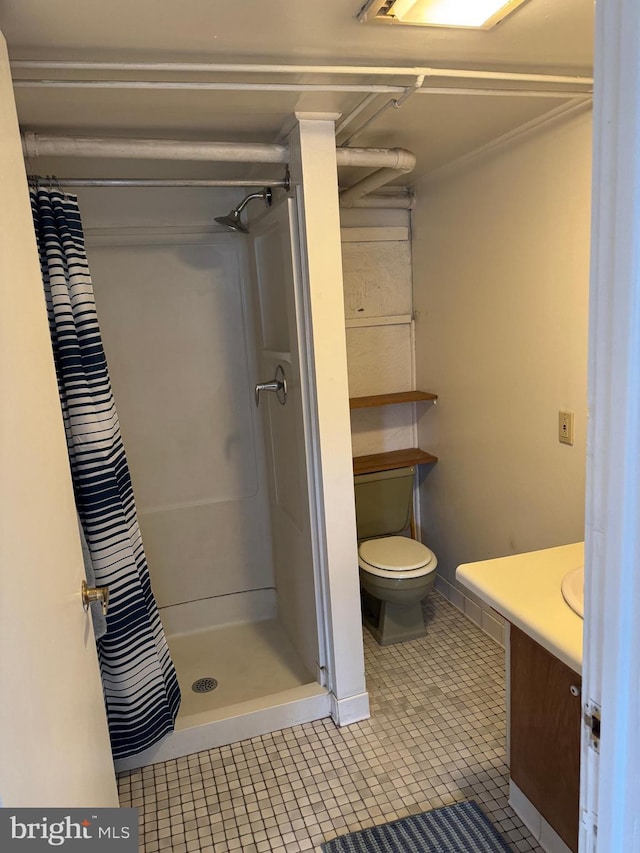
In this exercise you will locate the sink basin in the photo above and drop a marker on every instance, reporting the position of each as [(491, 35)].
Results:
[(573, 590)]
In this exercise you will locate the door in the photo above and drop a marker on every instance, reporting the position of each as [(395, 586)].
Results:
[(610, 775), (54, 741), (280, 324), (545, 733)]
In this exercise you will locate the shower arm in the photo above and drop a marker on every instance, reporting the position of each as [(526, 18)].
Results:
[(264, 194)]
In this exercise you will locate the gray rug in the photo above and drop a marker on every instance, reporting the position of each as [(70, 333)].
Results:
[(461, 828)]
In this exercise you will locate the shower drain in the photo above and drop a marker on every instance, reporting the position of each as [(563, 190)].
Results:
[(204, 685)]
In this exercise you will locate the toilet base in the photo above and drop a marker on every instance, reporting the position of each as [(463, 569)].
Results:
[(391, 623)]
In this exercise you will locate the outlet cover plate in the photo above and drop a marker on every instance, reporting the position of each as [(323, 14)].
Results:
[(566, 427)]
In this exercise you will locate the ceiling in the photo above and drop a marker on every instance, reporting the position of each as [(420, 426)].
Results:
[(543, 36)]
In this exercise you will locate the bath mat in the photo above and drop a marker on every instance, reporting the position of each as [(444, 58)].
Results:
[(461, 828)]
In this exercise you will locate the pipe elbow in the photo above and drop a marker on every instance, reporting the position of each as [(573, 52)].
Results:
[(405, 159)]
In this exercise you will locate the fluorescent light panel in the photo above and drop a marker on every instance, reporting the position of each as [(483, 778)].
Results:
[(477, 14)]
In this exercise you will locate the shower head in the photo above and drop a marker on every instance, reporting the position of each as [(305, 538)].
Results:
[(233, 221)]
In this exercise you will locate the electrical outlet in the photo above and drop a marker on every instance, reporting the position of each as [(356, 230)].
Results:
[(565, 427)]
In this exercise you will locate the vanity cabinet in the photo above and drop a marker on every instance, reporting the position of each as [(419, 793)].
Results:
[(545, 716)]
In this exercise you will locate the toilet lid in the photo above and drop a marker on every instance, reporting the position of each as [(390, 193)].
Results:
[(395, 553)]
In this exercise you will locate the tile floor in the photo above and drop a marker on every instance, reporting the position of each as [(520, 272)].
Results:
[(436, 736)]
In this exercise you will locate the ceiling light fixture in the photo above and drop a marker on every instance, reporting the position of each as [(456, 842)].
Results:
[(471, 14)]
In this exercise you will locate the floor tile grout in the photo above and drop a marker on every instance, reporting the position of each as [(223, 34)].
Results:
[(436, 736)]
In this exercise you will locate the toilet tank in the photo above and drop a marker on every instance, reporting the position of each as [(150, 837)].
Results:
[(384, 501)]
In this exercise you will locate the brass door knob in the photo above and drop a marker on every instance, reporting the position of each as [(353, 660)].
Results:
[(95, 593)]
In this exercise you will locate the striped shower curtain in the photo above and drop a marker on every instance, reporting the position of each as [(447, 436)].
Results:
[(140, 686)]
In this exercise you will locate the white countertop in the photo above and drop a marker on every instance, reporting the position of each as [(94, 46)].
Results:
[(525, 589)]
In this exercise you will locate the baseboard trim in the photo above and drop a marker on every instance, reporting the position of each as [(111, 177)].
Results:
[(481, 615), (350, 710), (543, 832)]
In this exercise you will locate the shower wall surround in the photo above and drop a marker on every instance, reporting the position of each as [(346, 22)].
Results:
[(174, 309)]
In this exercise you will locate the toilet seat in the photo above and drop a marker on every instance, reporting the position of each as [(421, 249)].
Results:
[(396, 557)]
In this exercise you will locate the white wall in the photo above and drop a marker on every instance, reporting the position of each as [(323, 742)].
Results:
[(501, 268), (48, 664), (175, 317)]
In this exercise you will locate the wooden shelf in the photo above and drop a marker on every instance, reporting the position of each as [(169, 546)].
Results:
[(390, 399), (392, 459)]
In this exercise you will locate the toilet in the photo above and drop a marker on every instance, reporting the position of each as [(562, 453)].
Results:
[(396, 572)]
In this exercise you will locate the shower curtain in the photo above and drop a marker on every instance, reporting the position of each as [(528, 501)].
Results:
[(140, 686)]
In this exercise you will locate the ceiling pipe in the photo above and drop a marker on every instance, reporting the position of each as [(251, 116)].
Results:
[(372, 90), (389, 162), (467, 91), (354, 194), (397, 103), (362, 70), (398, 159), (355, 112), (402, 201), (41, 145), (205, 86), (344, 142), (405, 162)]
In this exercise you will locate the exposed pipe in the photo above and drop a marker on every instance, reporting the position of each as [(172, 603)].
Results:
[(405, 162), (417, 90), (397, 103), (373, 90), (171, 85), (410, 90), (468, 74), (398, 159), (372, 182), (39, 145), (355, 112), (382, 109), (387, 162), (211, 67), (362, 70), (399, 202), (565, 94)]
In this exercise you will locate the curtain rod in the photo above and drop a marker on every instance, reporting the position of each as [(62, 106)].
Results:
[(160, 182), (387, 197)]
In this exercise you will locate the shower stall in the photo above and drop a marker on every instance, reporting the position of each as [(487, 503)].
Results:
[(224, 337), (191, 322)]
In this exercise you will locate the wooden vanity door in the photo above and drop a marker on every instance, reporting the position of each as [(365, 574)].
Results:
[(545, 734)]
